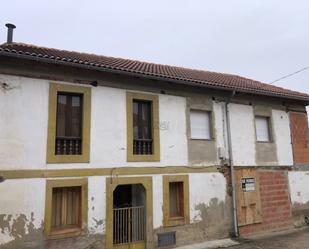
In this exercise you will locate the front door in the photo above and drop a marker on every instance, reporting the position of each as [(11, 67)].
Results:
[(129, 217)]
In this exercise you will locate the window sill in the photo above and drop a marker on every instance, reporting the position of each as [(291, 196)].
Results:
[(175, 221), (143, 158), (202, 139), (68, 159), (65, 233), (265, 142)]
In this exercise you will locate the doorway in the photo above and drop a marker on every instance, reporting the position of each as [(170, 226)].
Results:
[(129, 213), (129, 216)]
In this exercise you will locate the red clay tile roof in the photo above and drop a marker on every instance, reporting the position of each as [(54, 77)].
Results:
[(164, 72)]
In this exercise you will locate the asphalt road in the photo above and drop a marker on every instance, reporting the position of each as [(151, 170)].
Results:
[(298, 239)]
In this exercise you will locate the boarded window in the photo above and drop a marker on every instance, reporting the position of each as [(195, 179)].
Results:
[(66, 209), (262, 125), (142, 127), (200, 123), (69, 124), (176, 197)]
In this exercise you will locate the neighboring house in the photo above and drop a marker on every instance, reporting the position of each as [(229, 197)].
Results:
[(140, 155)]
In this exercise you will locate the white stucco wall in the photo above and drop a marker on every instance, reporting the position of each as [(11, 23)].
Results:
[(23, 124), (203, 188), (220, 127), (23, 127), (243, 134), (26, 196), (299, 187), (282, 135), (24, 200), (96, 204)]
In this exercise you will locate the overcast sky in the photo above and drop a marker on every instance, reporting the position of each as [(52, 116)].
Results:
[(259, 39)]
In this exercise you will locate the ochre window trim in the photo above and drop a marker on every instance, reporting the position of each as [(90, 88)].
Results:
[(155, 128), (167, 220), (50, 184), (52, 114)]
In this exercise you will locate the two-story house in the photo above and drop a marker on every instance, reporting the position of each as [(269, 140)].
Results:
[(128, 154)]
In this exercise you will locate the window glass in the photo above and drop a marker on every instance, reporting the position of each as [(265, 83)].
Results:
[(200, 124), (262, 125)]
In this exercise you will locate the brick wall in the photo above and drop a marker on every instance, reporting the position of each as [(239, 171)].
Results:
[(299, 131), (275, 203)]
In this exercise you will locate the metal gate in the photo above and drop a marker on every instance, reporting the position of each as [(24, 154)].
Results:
[(129, 225)]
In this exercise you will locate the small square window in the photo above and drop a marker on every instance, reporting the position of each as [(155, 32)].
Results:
[(200, 123), (262, 125)]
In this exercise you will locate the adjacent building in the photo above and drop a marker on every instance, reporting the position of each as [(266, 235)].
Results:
[(117, 153)]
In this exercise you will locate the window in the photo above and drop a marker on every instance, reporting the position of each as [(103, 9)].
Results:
[(175, 200), (200, 123), (142, 132), (66, 207), (262, 125), (68, 124), (142, 127)]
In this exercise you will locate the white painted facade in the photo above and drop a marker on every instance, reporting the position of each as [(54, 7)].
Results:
[(23, 143), (299, 187), (243, 134), (282, 137), (24, 132), (30, 194)]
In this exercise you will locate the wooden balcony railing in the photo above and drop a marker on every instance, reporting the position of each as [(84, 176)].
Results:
[(142, 146), (68, 146)]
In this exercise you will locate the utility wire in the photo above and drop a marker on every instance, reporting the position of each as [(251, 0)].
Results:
[(289, 75)]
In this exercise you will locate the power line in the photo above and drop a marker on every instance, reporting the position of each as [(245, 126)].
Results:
[(289, 75)]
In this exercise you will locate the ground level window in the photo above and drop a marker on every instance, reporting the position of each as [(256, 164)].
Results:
[(175, 200), (66, 209)]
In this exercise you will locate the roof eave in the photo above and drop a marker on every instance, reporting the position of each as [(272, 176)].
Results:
[(153, 76)]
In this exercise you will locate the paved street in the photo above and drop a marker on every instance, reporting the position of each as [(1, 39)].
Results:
[(298, 239)]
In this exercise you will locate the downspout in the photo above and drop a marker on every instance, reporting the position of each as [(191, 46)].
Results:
[(231, 162)]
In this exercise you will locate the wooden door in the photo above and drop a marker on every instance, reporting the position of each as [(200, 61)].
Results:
[(248, 196)]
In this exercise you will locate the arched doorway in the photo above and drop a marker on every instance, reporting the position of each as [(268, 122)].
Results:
[(129, 216), (129, 221)]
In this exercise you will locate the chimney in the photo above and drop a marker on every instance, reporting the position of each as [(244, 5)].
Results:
[(10, 32)]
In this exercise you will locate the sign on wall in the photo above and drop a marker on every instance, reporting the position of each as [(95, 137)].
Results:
[(248, 184)]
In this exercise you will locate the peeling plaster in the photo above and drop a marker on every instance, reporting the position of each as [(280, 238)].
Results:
[(16, 229)]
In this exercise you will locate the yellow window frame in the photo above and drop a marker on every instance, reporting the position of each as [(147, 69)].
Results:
[(52, 117), (155, 127), (167, 220), (50, 184)]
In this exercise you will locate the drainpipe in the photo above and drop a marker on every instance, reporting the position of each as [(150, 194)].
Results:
[(231, 162)]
